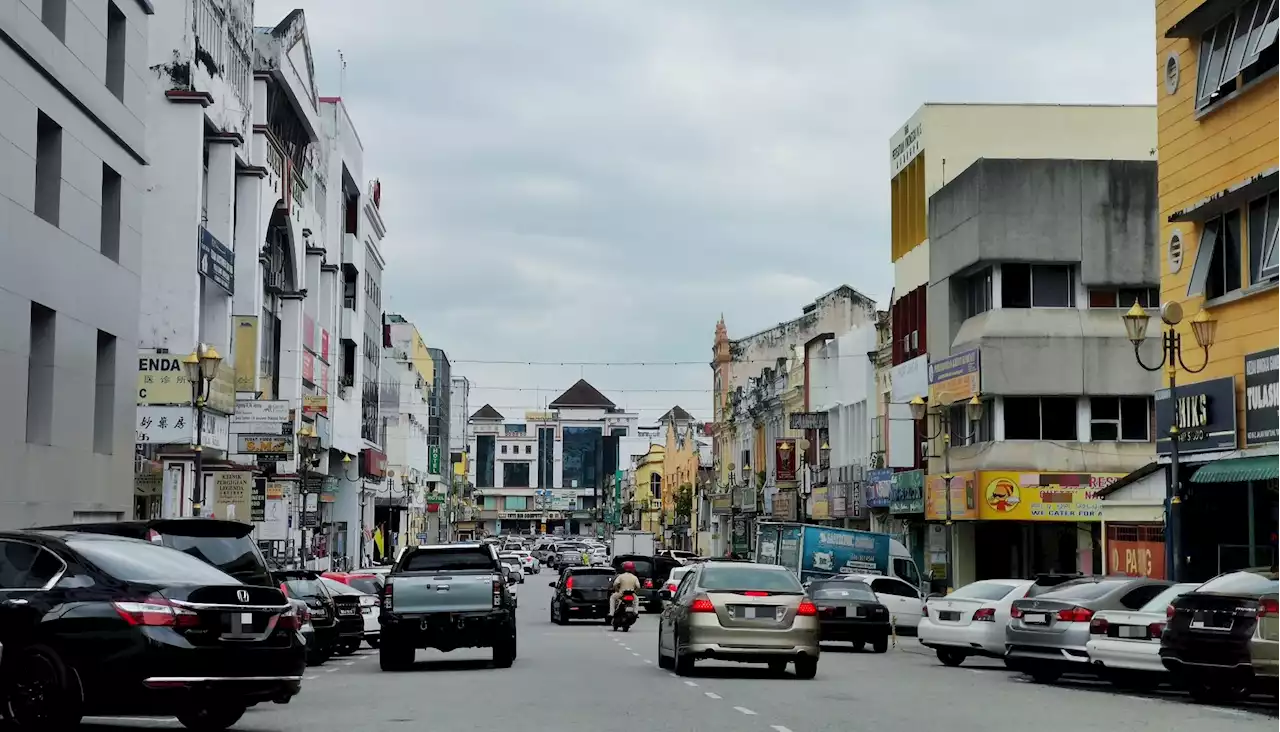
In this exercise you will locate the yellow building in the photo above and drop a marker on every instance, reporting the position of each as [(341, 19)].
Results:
[(679, 471), (646, 502), (1218, 215)]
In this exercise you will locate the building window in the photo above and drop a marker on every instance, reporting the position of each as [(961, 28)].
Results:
[(1237, 50), (977, 293), (1120, 419), (1036, 286), (1040, 418), (965, 431), (504, 449), (1264, 225), (655, 486), (40, 375), (53, 13), (48, 168), (110, 241), (1217, 268), (1124, 297), (515, 475), (528, 449), (104, 402), (117, 29)]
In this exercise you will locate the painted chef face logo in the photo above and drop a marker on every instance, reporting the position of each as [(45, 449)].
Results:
[(1002, 495)]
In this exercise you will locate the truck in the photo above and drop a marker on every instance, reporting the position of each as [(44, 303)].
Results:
[(446, 597), (817, 552), (634, 542)]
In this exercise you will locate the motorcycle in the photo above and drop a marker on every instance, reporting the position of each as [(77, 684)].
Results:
[(626, 614)]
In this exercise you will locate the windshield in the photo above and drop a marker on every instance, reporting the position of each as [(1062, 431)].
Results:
[(1242, 583), (982, 591), (841, 591), (143, 562), (367, 585), (1083, 589), (447, 559), (305, 588), (737, 578), (1161, 602), (337, 588), (644, 567), (591, 581), (239, 558)]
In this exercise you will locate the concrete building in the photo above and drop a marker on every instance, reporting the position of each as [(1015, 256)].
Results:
[(459, 410), (1217, 102), (1030, 261), (74, 155), (406, 375), (842, 383)]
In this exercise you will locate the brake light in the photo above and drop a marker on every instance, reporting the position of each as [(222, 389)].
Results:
[(154, 537), (628, 597), (568, 583), (985, 615), (702, 605), (1075, 615), (806, 609), (671, 588), (1098, 626), (1169, 612), (754, 593), (1015, 612), (284, 588), (497, 592), (157, 612), (387, 603), (648, 584), (289, 620), (1156, 630), (1268, 606)]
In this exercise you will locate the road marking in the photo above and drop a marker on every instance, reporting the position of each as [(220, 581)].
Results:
[(648, 661), (712, 695), (976, 671), (689, 683), (672, 675), (637, 655), (780, 728), (330, 670), (746, 711), (310, 678), (627, 647), (349, 663)]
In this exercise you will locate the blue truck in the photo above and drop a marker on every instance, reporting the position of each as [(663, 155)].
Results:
[(815, 552)]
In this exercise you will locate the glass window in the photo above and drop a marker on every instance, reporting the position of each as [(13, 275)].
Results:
[(889, 586), (582, 453), (841, 591), (977, 293), (134, 561), (591, 580), (1040, 418), (1083, 589), (448, 559), (1161, 601), (906, 569), (367, 585), (984, 591), (1264, 225), (1224, 264), (734, 578), (1242, 583), (1114, 419), (1140, 596), (238, 557), (302, 588), (26, 566), (516, 475), (1052, 287)]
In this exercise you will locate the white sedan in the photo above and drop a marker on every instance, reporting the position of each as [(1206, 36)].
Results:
[(971, 620), (904, 602), (1126, 643), (528, 562)]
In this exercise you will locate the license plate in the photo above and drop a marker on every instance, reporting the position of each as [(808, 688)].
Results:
[(753, 612), (1035, 618), (859, 612), (949, 615), (1211, 621), (1132, 631)]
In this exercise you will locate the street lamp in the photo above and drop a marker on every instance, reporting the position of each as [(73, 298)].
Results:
[(973, 411), (1204, 328), (200, 366)]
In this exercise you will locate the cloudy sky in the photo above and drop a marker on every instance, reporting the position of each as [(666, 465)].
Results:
[(597, 181)]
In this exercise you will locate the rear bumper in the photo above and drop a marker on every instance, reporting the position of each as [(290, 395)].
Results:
[(586, 609), (447, 631), (987, 640), (708, 639), (853, 630), (1126, 655), (1068, 658)]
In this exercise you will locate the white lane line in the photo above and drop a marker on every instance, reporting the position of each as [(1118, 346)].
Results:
[(746, 711), (330, 670), (712, 695), (637, 655), (976, 671), (349, 663), (672, 675), (780, 728), (310, 678), (689, 683), (648, 661)]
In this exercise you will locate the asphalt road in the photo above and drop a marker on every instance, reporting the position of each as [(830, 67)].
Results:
[(584, 678)]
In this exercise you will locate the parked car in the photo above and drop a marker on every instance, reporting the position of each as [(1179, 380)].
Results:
[(850, 611), (740, 611), (351, 602), (970, 621), (305, 585), (1125, 644), (528, 562), (99, 625), (367, 582), (1220, 640), (905, 603), (581, 593), (1048, 635)]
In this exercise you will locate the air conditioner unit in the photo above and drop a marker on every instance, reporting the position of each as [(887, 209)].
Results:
[(906, 343), (915, 339)]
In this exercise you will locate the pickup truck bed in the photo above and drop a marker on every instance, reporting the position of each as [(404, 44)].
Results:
[(446, 597)]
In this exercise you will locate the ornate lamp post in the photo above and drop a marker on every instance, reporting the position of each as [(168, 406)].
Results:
[(1204, 328), (201, 366), (973, 411)]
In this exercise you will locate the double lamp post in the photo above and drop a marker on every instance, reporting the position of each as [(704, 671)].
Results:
[(200, 367)]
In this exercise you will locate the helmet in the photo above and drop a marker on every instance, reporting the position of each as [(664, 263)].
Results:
[(628, 566)]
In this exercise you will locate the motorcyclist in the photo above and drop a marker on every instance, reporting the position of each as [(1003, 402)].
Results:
[(626, 581)]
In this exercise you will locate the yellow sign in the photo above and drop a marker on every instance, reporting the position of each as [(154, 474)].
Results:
[(1011, 495), (265, 445), (232, 493), (819, 504), (539, 416), (964, 501), (315, 405), (276, 491), (246, 352), (162, 380)]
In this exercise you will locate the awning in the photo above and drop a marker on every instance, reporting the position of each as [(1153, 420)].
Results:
[(1239, 470), (1229, 199)]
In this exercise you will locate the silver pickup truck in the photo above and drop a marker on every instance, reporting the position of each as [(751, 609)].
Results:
[(445, 597)]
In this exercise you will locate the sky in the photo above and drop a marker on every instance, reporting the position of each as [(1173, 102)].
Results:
[(594, 183)]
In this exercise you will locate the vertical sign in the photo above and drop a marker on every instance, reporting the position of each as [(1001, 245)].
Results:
[(246, 352), (1261, 409), (785, 460)]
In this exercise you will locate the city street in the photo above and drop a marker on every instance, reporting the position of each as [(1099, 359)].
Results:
[(585, 678)]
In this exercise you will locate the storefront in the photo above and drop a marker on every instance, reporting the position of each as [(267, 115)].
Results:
[(906, 508), (1133, 524)]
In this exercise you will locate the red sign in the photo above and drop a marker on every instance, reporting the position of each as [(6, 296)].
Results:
[(1136, 550), (784, 460), (324, 379), (324, 345), (308, 367), (375, 462), (308, 333)]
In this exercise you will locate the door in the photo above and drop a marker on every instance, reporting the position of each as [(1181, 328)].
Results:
[(28, 573), (675, 612), (903, 600)]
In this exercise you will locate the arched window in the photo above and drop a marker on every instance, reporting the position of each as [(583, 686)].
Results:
[(655, 485)]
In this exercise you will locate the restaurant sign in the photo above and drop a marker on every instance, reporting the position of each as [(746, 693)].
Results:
[(1261, 408), (1205, 414)]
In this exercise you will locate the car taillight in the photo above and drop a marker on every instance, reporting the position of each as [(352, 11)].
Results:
[(289, 620), (985, 615), (1098, 626), (1075, 615), (648, 584), (156, 611), (671, 588), (285, 589), (1156, 630), (702, 605), (806, 609), (1015, 612), (306, 615), (497, 592), (753, 593), (568, 584), (154, 537), (1169, 612), (1268, 606), (387, 603)]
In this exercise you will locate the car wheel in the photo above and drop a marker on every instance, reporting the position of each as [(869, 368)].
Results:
[(881, 644), (778, 668), (859, 645), (42, 693), (683, 663), (1044, 675), (213, 717), (806, 667), (1215, 692), (559, 616), (949, 657), (395, 658), (504, 651), (373, 642)]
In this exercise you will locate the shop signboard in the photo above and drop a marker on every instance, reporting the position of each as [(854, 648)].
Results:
[(1012, 495), (245, 358), (964, 504), (906, 494), (1136, 550), (274, 445), (879, 487), (830, 553), (808, 420), (217, 262), (785, 460), (722, 503), (955, 378), (1205, 415), (789, 546), (258, 500), (820, 504), (232, 495), (1261, 407), (433, 459)]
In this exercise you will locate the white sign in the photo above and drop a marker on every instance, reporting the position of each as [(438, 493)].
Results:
[(216, 432), (164, 425), (276, 525), (260, 410), (909, 380)]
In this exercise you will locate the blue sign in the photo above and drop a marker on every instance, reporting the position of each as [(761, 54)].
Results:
[(878, 485), (789, 547), (964, 363), (830, 552)]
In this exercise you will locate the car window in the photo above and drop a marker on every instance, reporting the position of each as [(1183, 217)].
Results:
[(367, 585), (337, 588), (906, 569), (26, 566), (733, 578), (448, 559), (1083, 589), (134, 561), (889, 586), (238, 557), (983, 591), (1241, 583), (644, 568), (1160, 602), (841, 591), (591, 580), (298, 587), (1138, 597)]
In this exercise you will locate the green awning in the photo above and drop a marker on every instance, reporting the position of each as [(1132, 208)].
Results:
[(1239, 470)]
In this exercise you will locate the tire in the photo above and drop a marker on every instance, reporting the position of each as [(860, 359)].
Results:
[(778, 668), (373, 642), (41, 672), (881, 644), (317, 657), (558, 617), (950, 657), (684, 665), (1042, 675), (504, 651), (806, 667), (395, 658), (858, 646), (1219, 692), (214, 717), (653, 608)]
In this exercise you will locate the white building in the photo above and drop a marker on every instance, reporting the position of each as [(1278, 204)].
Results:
[(842, 383), (73, 154), (406, 381), (459, 427)]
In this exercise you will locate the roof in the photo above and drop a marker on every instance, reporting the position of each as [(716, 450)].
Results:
[(487, 412), (1129, 479), (676, 414), (582, 394)]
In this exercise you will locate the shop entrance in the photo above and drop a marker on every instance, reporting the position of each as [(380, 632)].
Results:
[(1216, 530), (1023, 549)]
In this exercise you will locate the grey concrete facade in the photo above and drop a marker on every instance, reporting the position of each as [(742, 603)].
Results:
[(71, 152), (1094, 223)]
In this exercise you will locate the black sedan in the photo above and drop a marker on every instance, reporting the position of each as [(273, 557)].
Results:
[(305, 585), (108, 626), (849, 611)]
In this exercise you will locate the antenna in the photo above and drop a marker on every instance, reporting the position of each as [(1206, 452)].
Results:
[(342, 72)]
